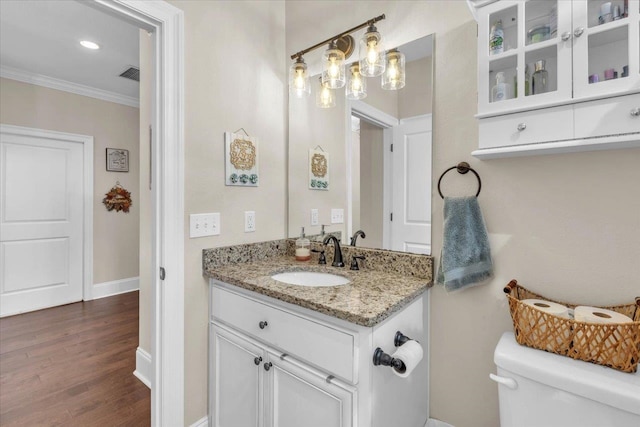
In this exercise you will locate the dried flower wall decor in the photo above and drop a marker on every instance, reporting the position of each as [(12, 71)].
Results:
[(241, 154), (118, 199), (318, 169)]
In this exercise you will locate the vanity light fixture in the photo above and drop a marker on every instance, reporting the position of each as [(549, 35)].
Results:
[(333, 67), (299, 85), (325, 98), (333, 74), (393, 77), (90, 45), (372, 62), (357, 84)]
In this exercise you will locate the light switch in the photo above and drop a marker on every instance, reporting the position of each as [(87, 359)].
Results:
[(337, 216), (201, 225)]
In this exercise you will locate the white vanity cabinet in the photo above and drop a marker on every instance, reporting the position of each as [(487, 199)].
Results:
[(273, 364), (591, 63), (253, 385)]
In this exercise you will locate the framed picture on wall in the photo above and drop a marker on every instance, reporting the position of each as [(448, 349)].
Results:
[(318, 169), (241, 160), (117, 160)]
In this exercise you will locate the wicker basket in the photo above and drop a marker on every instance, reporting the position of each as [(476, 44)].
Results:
[(614, 345)]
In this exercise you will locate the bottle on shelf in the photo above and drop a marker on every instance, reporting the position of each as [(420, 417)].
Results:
[(496, 38), (501, 90), (303, 248), (539, 80), (527, 80)]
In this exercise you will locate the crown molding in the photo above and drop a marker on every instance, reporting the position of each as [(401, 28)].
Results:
[(66, 86)]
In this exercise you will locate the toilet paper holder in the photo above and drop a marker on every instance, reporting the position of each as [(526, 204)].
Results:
[(384, 359)]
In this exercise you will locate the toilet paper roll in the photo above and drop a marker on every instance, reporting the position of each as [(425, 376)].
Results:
[(411, 354), (548, 307), (588, 314)]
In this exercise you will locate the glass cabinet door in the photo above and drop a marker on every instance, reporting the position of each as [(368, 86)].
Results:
[(606, 47), (527, 62)]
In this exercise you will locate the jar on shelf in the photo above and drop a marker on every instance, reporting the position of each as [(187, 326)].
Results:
[(539, 80)]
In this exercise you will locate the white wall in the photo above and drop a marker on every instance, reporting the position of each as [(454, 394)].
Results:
[(566, 226), (234, 77), (115, 234)]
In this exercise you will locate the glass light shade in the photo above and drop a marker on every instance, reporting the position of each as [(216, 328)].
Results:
[(393, 77), (357, 84), (333, 67), (371, 53), (325, 98), (299, 85)]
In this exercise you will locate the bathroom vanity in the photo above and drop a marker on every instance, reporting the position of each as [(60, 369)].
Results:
[(289, 355)]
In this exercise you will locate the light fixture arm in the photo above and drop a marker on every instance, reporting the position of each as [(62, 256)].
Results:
[(337, 36)]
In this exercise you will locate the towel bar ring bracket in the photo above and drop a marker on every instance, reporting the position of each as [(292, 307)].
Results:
[(462, 168)]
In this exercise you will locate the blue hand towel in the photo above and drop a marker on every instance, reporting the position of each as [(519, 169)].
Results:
[(465, 259)]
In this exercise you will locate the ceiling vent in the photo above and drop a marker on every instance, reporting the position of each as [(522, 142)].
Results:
[(131, 73)]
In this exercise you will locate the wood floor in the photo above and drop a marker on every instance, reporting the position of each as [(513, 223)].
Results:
[(73, 366)]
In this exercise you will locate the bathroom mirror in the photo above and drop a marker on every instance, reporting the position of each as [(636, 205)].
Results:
[(386, 194)]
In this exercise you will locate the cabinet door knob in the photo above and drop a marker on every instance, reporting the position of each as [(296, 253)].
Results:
[(578, 31), (521, 126), (257, 360), (267, 366), (263, 324), (635, 112), (566, 36)]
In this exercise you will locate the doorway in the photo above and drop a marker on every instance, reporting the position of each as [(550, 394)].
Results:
[(165, 23)]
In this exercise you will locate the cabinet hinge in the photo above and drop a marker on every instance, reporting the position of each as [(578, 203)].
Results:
[(391, 216), (392, 148), (162, 273)]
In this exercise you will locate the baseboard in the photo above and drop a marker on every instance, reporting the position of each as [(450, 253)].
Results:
[(432, 422), (202, 422), (144, 371), (107, 289)]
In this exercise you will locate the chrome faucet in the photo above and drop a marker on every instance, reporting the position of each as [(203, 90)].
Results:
[(337, 254), (355, 237)]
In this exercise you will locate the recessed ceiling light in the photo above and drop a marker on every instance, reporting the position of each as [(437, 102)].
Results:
[(90, 45)]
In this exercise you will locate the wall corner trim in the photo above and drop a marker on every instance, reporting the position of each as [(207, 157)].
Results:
[(202, 422), (115, 287), (143, 367)]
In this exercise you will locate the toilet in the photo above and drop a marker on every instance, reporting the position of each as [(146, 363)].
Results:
[(540, 389)]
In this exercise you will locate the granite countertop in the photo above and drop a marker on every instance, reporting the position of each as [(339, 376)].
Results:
[(371, 297)]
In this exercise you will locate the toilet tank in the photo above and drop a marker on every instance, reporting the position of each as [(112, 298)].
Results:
[(540, 389)]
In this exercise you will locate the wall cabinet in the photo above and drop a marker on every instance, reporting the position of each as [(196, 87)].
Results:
[(564, 77), (272, 364)]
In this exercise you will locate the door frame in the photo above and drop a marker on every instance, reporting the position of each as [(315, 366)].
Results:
[(166, 23), (387, 122), (87, 182)]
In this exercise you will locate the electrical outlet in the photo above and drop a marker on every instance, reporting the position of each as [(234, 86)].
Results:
[(201, 225), (337, 216), (314, 216), (249, 221)]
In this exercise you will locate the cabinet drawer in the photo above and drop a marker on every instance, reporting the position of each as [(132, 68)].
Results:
[(330, 349), (550, 124), (607, 117)]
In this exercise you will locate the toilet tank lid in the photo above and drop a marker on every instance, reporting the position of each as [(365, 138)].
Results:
[(599, 383)]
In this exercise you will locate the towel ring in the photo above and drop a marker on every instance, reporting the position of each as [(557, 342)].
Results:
[(462, 167)]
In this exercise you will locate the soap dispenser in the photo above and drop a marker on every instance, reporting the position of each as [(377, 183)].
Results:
[(303, 248)]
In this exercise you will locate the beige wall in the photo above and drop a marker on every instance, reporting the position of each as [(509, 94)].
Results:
[(415, 98), (371, 183), (115, 234), (566, 226), (234, 77)]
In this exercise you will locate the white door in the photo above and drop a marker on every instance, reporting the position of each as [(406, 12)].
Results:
[(41, 221), (411, 206), (299, 397), (236, 384)]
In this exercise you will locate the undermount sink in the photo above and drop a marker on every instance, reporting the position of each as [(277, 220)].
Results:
[(310, 278)]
